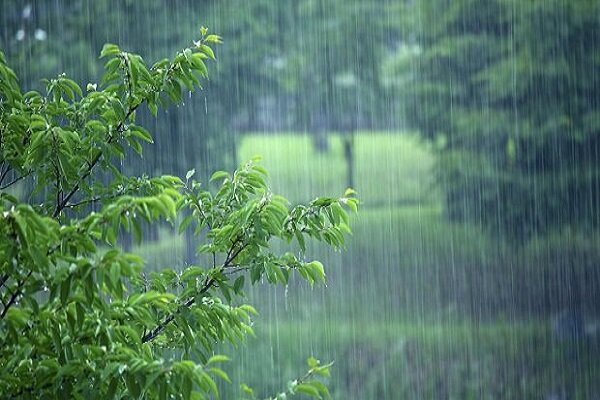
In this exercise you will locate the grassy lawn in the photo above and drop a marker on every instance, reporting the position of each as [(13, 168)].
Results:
[(396, 360), (390, 169)]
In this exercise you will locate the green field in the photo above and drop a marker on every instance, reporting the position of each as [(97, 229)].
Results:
[(399, 360), (390, 169)]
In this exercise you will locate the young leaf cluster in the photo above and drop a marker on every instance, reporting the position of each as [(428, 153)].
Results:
[(307, 384)]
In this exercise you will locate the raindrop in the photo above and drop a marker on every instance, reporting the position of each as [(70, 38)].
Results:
[(40, 34), (26, 11)]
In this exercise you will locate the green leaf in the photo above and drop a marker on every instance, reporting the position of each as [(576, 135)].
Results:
[(308, 389), (238, 285), (112, 388), (219, 175), (109, 49), (213, 39), (220, 373), (65, 289), (349, 192), (312, 362), (300, 239), (321, 388), (73, 86), (141, 133), (185, 222), (315, 270), (247, 389), (153, 108), (133, 386), (217, 358), (192, 272), (186, 387), (207, 50)]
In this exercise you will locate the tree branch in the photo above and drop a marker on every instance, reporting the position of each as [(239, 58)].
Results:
[(158, 329), (229, 258), (9, 184), (3, 175), (95, 199), (15, 295), (96, 159), (91, 165)]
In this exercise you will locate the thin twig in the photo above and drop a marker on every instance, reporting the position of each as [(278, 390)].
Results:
[(235, 269), (158, 329), (87, 201), (15, 295), (235, 242), (229, 260), (9, 184), (95, 199), (58, 185), (4, 279), (4, 172)]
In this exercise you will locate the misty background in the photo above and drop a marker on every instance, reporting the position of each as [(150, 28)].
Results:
[(470, 130)]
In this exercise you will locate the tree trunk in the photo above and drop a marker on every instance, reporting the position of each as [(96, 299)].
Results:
[(348, 139)]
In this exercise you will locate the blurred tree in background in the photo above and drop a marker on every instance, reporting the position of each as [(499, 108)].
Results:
[(296, 65), (509, 91)]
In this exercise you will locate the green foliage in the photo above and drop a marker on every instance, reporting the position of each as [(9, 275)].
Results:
[(316, 62), (81, 318), (305, 385), (76, 30), (508, 89)]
